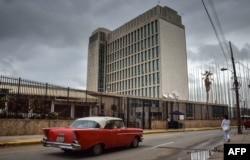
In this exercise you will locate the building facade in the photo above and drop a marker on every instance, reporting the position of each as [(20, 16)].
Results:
[(144, 57)]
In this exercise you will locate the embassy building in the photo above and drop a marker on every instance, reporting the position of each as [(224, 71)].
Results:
[(144, 57)]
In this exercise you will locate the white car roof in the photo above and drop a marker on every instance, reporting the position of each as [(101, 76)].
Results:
[(100, 119)]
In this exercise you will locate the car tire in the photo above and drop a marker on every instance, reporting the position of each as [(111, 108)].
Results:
[(135, 143), (97, 149)]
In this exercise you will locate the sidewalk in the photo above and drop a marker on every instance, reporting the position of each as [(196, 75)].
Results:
[(235, 139)]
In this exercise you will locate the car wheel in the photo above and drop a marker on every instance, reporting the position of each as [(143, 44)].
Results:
[(135, 143), (97, 149)]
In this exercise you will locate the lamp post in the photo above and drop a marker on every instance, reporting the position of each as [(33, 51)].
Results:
[(236, 87)]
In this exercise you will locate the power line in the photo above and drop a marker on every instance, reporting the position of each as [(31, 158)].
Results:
[(218, 30)]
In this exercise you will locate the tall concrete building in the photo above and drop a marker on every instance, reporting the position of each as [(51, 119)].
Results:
[(144, 57)]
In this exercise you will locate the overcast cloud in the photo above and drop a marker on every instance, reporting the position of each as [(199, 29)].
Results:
[(47, 40)]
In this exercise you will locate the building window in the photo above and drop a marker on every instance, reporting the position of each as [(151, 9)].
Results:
[(142, 68), (158, 78), (150, 93), (149, 66), (139, 81), (142, 81), (149, 54), (152, 28), (154, 89), (189, 111), (156, 26), (148, 29), (156, 39), (158, 91), (149, 79), (149, 42), (153, 65), (155, 78), (217, 112), (153, 53), (157, 64)]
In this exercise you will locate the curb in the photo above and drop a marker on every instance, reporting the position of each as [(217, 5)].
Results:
[(6, 144)]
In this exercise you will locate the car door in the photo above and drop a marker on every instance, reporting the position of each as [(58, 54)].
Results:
[(123, 135), (110, 135)]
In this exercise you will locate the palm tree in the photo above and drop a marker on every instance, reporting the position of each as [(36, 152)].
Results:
[(207, 81)]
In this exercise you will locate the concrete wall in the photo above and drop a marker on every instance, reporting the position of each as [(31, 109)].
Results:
[(174, 74), (14, 127), (156, 124)]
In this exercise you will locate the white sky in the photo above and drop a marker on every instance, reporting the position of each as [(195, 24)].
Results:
[(47, 40)]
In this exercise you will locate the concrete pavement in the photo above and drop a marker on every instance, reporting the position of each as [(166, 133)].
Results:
[(235, 139), (36, 139), (218, 154)]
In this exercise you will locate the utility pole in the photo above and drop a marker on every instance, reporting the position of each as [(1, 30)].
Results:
[(236, 85)]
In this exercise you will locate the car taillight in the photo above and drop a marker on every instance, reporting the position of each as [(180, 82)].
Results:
[(46, 132)]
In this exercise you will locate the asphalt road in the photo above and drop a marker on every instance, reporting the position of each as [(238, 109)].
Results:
[(159, 146)]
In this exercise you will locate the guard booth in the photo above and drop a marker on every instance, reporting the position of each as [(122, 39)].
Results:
[(174, 124)]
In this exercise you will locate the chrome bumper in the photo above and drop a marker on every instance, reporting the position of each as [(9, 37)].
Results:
[(75, 146)]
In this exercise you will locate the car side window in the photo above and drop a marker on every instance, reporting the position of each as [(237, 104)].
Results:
[(109, 125), (114, 124), (118, 124)]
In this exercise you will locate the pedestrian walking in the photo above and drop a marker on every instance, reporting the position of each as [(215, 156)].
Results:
[(168, 119), (225, 126)]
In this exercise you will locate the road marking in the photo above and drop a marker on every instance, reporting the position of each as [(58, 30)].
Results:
[(159, 145)]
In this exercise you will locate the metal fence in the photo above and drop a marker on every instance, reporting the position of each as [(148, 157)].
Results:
[(21, 98)]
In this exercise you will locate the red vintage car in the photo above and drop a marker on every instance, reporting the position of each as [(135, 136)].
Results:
[(94, 134)]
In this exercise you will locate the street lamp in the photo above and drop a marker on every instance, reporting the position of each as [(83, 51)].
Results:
[(236, 87)]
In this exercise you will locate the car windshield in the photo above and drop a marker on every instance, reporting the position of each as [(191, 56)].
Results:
[(84, 124)]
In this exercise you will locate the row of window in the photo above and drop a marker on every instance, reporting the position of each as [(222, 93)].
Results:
[(131, 61), (141, 69), (133, 48), (153, 92), (134, 83), (101, 67), (217, 111), (134, 36), (143, 102)]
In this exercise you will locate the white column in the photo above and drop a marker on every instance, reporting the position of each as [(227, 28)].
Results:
[(90, 110), (72, 112), (52, 107)]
